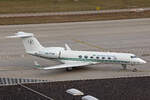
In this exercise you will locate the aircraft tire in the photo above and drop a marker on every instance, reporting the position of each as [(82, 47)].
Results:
[(69, 69)]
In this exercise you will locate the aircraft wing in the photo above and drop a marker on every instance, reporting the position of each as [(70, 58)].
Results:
[(66, 65)]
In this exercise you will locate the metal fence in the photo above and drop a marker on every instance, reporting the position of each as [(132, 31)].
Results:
[(15, 81)]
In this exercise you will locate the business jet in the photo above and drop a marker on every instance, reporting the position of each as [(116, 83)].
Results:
[(72, 58)]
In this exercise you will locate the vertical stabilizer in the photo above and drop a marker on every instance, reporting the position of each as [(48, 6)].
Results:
[(31, 44)]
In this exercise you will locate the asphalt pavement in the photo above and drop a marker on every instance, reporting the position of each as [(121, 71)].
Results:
[(118, 35)]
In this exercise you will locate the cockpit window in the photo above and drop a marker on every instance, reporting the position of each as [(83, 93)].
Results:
[(133, 56)]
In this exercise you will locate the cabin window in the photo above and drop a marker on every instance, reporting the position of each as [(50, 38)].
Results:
[(91, 57), (109, 58), (97, 57), (86, 57), (80, 56), (103, 57)]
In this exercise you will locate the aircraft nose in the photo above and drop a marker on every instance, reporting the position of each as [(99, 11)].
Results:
[(142, 61)]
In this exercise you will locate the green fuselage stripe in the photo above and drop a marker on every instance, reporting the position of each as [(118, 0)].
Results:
[(95, 60)]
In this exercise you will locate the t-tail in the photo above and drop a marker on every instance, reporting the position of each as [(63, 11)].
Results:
[(31, 44)]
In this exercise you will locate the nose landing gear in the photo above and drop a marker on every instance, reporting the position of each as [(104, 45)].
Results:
[(134, 70), (125, 68)]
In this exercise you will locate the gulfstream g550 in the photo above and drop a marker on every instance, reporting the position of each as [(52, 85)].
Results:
[(71, 58)]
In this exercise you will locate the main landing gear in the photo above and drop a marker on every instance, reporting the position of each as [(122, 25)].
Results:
[(69, 69), (124, 66)]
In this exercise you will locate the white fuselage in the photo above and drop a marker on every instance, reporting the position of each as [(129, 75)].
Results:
[(58, 53)]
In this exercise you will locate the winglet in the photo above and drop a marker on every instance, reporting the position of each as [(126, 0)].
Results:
[(67, 47), (37, 65)]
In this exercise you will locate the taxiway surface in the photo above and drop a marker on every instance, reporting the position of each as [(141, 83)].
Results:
[(119, 35)]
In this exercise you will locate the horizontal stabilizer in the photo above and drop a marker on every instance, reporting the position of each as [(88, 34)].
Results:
[(21, 35)]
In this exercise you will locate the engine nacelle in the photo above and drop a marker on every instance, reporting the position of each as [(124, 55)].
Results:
[(52, 52)]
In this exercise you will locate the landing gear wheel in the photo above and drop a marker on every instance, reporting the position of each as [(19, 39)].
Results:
[(124, 66), (69, 69), (134, 70)]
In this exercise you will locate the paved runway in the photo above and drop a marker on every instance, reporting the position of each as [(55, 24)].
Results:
[(118, 35)]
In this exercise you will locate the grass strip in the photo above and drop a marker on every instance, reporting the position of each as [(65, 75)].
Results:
[(37, 6), (73, 18)]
